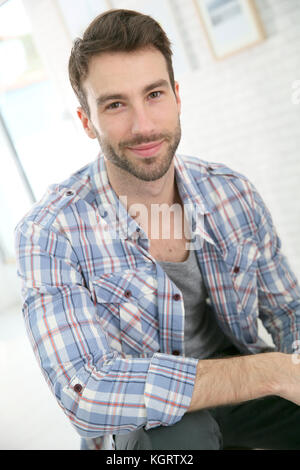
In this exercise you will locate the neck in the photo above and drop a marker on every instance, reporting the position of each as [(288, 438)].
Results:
[(161, 191)]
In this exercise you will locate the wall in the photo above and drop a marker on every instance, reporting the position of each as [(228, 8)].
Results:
[(239, 111)]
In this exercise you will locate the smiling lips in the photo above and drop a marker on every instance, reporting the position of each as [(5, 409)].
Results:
[(147, 150)]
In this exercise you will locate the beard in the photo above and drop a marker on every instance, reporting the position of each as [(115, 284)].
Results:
[(146, 169)]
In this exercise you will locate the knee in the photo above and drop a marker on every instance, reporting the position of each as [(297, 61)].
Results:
[(135, 440), (195, 431)]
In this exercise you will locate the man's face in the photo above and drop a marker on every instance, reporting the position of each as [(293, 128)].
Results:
[(134, 112)]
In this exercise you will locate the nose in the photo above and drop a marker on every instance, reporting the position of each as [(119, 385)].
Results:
[(141, 121)]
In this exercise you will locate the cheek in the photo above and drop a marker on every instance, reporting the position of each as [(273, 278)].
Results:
[(114, 130), (167, 115)]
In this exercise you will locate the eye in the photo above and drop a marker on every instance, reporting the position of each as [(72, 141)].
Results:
[(155, 94), (115, 105)]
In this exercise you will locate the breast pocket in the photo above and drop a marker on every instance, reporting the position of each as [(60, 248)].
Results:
[(242, 265), (120, 299)]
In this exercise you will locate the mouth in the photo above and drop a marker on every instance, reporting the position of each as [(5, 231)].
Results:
[(147, 150)]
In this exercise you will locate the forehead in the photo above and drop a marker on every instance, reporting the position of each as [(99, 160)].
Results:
[(123, 71)]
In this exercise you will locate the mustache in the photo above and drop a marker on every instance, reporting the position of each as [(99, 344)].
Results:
[(143, 139)]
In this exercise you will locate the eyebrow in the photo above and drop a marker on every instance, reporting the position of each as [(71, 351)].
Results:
[(118, 96)]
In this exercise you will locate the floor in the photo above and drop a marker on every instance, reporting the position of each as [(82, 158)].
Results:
[(30, 417)]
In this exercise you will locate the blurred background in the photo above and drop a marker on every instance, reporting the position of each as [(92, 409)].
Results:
[(243, 110)]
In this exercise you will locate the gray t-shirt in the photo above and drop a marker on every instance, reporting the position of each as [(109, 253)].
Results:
[(202, 335)]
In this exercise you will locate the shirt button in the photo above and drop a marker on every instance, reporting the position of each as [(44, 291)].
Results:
[(176, 353), (77, 388), (128, 294), (236, 270), (69, 193), (176, 297)]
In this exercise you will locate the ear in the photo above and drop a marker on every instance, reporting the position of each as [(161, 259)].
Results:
[(177, 96), (86, 123)]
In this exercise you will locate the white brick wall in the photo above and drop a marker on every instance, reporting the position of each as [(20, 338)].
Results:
[(239, 111)]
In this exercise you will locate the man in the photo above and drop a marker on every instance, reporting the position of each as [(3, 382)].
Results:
[(144, 274)]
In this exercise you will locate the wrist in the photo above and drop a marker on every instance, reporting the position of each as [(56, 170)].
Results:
[(274, 383)]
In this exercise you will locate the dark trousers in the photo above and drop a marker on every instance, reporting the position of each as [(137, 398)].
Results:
[(269, 423)]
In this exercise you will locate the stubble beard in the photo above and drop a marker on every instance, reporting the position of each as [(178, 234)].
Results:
[(147, 169)]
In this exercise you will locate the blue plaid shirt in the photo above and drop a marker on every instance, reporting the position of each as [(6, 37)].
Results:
[(107, 324)]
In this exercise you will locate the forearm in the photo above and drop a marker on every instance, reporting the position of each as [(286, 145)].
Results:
[(235, 380)]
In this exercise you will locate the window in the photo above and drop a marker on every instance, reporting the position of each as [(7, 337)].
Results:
[(40, 143), (15, 193)]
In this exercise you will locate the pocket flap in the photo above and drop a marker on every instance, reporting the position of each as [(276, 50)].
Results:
[(241, 257), (126, 286)]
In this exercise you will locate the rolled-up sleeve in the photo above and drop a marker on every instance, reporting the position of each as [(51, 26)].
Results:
[(101, 391)]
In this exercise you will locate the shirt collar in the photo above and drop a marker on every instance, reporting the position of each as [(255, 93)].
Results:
[(111, 208), (195, 205)]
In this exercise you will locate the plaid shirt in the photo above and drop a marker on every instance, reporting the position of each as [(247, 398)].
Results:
[(105, 321)]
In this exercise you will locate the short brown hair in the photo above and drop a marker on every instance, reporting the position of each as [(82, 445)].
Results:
[(116, 31)]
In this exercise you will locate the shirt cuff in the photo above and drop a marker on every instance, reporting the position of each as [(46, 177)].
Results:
[(169, 388)]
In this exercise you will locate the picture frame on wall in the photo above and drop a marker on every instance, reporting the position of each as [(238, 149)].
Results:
[(230, 25)]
